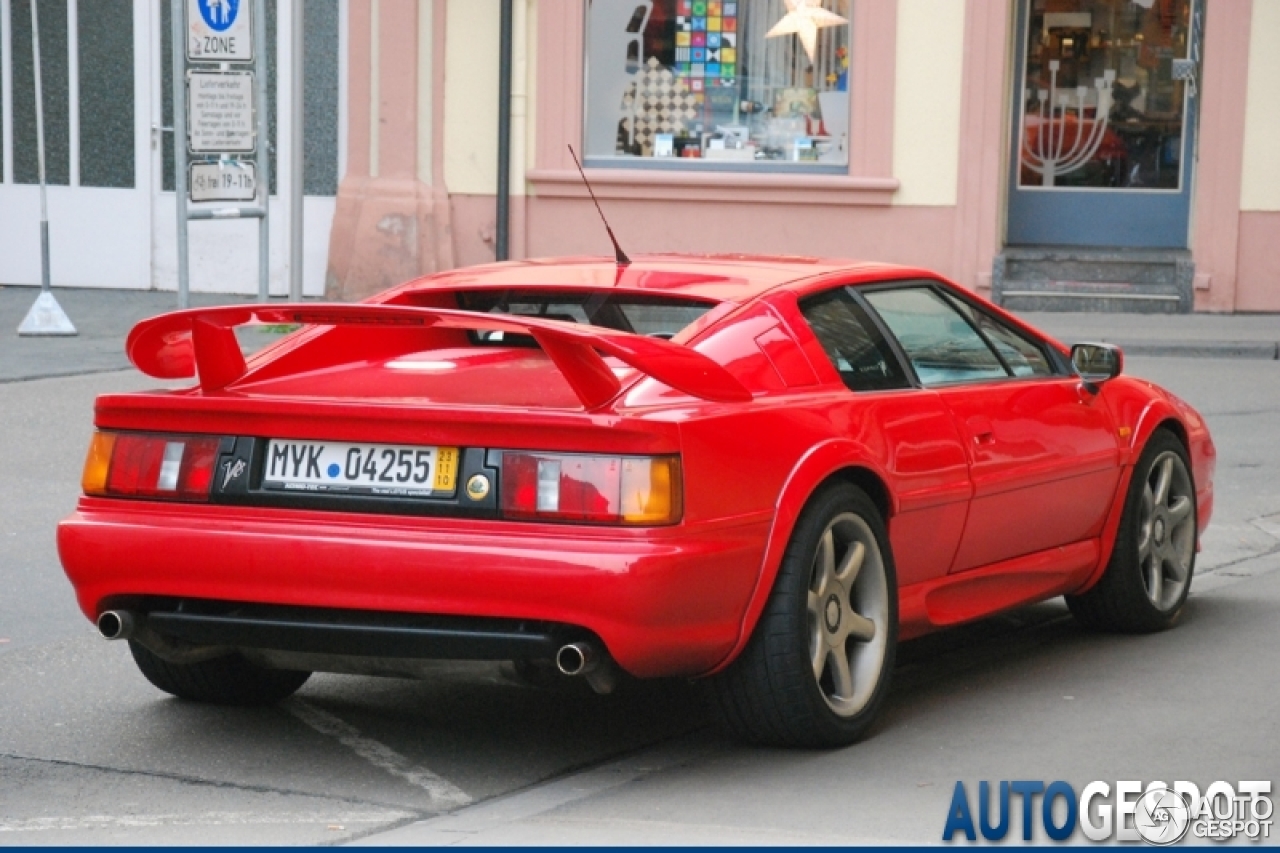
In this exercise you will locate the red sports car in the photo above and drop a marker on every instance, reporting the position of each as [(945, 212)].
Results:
[(762, 471)]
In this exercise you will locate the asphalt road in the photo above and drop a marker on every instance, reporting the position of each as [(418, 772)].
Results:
[(91, 754)]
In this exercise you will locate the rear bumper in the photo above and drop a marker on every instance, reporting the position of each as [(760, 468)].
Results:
[(664, 601)]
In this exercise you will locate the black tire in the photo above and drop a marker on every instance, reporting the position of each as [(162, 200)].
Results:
[(1147, 580), (227, 680), (775, 693)]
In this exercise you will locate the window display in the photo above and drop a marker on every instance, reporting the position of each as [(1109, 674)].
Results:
[(1105, 90), (747, 82)]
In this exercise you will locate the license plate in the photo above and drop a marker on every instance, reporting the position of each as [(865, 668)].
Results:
[(390, 470)]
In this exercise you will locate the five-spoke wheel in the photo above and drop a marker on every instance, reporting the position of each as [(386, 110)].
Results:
[(848, 599), (1166, 532), (817, 666), (1146, 583)]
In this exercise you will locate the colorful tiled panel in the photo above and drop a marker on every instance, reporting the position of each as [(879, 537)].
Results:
[(706, 43)]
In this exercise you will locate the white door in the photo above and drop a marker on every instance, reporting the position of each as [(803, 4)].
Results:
[(96, 64)]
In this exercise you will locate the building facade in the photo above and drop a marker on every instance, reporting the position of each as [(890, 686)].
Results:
[(1103, 154), (108, 117)]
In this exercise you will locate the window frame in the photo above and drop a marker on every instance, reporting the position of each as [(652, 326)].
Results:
[(948, 295)]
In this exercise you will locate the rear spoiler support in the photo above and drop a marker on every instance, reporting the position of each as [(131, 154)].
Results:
[(201, 342)]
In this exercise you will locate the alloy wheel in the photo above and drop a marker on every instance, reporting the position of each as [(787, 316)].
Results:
[(1166, 530), (848, 613)]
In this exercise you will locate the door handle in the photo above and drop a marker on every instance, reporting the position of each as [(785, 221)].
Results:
[(981, 430)]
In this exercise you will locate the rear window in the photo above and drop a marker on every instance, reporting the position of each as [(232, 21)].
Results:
[(641, 314)]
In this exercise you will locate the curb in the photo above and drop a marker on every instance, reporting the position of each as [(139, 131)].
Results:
[(1260, 350)]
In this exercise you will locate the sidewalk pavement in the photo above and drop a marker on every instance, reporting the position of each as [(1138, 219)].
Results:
[(104, 317)]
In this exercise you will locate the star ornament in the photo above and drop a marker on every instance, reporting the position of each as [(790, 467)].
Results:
[(803, 19)]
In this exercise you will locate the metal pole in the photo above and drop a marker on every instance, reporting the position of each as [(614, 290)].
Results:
[(44, 204), (46, 316), (296, 116), (264, 149), (502, 237), (177, 20)]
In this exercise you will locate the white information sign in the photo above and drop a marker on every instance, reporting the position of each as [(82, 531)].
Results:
[(225, 180), (220, 107), (219, 31)]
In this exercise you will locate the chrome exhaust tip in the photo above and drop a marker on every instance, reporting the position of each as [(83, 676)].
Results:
[(586, 659), (577, 658), (116, 624)]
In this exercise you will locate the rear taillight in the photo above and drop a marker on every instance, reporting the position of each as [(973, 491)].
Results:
[(137, 465), (642, 490)]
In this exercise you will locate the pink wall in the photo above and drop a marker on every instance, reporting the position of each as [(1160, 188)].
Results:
[(1220, 161), (848, 215), (921, 235), (979, 233), (391, 226), (656, 210), (1258, 263)]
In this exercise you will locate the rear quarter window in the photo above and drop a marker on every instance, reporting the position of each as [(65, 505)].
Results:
[(852, 342)]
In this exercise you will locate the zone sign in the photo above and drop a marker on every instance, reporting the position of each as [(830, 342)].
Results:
[(219, 31)]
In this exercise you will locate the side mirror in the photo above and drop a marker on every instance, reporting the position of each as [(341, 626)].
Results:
[(1097, 363)]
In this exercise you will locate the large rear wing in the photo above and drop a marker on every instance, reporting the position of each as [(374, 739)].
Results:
[(201, 342)]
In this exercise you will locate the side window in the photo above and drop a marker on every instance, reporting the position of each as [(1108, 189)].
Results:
[(853, 343), (1022, 356), (942, 346)]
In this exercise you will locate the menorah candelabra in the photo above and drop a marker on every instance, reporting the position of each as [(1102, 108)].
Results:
[(1050, 155)]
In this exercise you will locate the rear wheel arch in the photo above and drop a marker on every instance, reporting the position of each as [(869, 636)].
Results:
[(828, 464), (870, 482), (819, 662)]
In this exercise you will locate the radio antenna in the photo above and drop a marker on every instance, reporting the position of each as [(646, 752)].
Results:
[(620, 255)]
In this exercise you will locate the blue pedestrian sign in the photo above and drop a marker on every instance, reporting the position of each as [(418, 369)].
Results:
[(219, 14), (219, 31)]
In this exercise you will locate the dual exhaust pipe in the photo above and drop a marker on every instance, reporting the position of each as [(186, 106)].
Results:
[(583, 658)]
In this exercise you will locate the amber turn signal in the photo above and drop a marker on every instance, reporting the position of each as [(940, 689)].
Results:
[(98, 463), (639, 490)]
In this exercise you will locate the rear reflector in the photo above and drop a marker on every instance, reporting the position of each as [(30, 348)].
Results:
[(138, 465), (642, 490)]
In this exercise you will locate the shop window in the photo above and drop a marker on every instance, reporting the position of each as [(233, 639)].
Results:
[(737, 84), (1104, 97)]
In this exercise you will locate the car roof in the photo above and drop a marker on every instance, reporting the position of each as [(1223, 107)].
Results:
[(721, 278)]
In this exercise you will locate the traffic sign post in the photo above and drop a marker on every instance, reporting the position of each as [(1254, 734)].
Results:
[(215, 115), (46, 316)]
